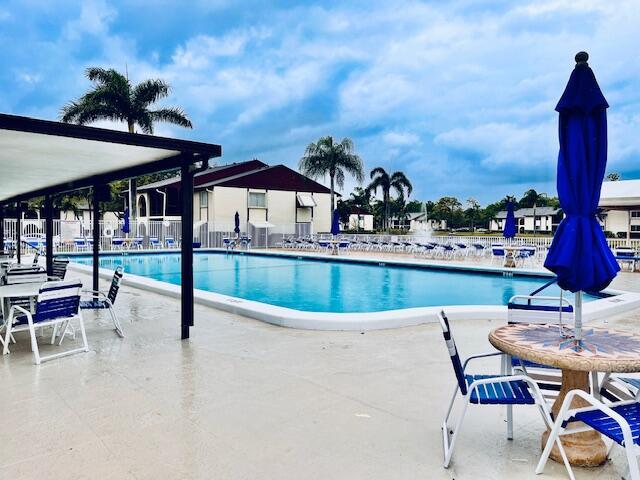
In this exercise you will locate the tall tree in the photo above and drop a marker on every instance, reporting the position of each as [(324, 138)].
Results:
[(326, 157), (380, 179), (532, 198), (473, 211), (613, 177), (114, 97)]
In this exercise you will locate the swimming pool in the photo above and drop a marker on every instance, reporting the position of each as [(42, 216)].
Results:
[(322, 285)]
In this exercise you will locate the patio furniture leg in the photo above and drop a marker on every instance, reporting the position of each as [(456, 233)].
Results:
[(508, 371)]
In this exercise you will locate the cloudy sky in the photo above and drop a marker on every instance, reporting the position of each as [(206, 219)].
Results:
[(459, 95)]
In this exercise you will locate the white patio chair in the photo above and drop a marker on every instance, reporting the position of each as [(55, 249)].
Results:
[(620, 422), (58, 304), (486, 390)]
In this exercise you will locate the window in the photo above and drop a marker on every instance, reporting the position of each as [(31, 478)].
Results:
[(257, 200), (635, 214), (142, 206), (635, 228), (204, 199)]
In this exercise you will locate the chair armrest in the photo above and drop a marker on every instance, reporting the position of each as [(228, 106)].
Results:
[(481, 355), (19, 309)]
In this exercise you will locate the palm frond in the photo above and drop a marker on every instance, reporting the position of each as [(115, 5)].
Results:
[(105, 76), (172, 115), (149, 91), (378, 171), (339, 178), (400, 182)]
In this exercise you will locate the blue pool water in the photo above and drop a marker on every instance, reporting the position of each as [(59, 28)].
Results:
[(325, 286)]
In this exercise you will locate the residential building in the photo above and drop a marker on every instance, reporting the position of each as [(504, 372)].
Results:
[(417, 222), (620, 208), (360, 219), (266, 197), (529, 220)]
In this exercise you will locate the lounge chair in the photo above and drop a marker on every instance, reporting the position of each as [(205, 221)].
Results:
[(170, 242), (81, 244), (154, 242), (25, 274), (117, 243), (97, 300), (619, 421), (137, 243), (496, 389), (58, 304)]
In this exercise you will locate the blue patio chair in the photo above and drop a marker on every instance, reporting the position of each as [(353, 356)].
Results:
[(627, 256), (228, 243), (619, 421), (344, 245), (496, 389), (245, 242), (81, 244), (97, 300), (58, 304), (117, 243), (170, 242), (154, 242), (497, 252), (59, 268), (137, 243)]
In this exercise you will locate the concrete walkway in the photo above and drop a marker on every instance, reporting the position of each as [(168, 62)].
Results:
[(247, 400)]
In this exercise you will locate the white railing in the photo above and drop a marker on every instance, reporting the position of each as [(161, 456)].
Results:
[(211, 235)]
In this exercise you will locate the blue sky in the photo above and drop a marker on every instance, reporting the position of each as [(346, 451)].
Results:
[(459, 95)]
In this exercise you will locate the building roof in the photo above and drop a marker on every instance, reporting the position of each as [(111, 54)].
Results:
[(251, 174), (621, 193), (528, 212), (214, 173), (40, 157)]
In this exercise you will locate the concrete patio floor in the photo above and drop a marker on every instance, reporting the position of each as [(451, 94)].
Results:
[(246, 400)]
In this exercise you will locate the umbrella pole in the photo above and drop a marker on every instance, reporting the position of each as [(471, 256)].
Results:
[(578, 317)]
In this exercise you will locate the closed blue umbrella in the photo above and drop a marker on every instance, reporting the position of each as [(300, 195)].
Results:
[(579, 254), (510, 227), (335, 223), (237, 224), (125, 225)]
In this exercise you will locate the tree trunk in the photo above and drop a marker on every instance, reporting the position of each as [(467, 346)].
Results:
[(133, 191), (333, 205), (387, 211)]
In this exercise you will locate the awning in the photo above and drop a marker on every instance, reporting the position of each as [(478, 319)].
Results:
[(40, 157), (261, 224), (306, 200)]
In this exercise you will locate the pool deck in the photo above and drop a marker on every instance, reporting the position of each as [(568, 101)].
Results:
[(244, 399)]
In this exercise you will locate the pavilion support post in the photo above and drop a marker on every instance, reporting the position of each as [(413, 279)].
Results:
[(186, 247), (1, 229), (18, 232), (48, 231), (96, 239)]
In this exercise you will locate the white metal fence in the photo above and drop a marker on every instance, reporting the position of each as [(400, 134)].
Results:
[(68, 234)]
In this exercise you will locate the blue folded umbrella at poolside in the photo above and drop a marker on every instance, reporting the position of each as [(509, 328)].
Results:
[(510, 228), (579, 254), (125, 226), (335, 223)]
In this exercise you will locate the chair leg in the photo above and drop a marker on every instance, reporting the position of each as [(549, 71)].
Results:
[(83, 333), (508, 368), (454, 437), (7, 339), (34, 345), (634, 472), (116, 322)]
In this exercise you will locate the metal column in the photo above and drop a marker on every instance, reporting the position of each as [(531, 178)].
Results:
[(1, 229), (186, 249), (18, 231), (96, 238), (48, 219)]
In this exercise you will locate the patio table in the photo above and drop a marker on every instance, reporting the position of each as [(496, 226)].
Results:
[(604, 350), (509, 255), (20, 290)]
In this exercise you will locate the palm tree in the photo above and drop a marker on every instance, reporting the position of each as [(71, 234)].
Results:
[(325, 157), (113, 97), (381, 179)]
